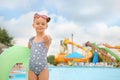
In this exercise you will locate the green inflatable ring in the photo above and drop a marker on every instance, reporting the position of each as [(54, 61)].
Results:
[(11, 56)]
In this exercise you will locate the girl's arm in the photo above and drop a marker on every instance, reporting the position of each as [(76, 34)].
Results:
[(29, 45), (47, 39)]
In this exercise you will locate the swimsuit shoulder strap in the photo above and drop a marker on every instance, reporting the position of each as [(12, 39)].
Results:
[(31, 39)]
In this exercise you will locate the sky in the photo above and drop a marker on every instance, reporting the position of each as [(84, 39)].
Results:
[(97, 21)]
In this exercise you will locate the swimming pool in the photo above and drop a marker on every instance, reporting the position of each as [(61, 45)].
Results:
[(18, 77), (79, 73)]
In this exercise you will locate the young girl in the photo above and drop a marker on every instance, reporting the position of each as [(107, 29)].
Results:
[(39, 45)]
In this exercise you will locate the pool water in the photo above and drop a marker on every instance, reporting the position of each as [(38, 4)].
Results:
[(79, 73), (18, 77)]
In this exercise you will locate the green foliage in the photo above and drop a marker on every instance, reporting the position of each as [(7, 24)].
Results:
[(5, 38), (51, 59)]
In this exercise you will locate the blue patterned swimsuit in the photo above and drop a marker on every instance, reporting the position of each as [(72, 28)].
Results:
[(38, 61)]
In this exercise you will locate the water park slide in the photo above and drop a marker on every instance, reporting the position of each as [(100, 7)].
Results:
[(103, 52), (11, 56), (110, 46), (89, 55), (107, 50), (115, 51), (112, 53)]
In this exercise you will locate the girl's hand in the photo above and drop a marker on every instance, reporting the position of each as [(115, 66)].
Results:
[(46, 38)]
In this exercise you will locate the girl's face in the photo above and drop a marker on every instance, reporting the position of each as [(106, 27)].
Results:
[(40, 24)]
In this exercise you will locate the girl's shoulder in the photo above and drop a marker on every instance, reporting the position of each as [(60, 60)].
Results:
[(31, 38)]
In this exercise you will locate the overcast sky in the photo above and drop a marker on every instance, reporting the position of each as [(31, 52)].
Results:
[(97, 21)]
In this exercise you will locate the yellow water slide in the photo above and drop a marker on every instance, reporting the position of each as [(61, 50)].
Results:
[(89, 55)]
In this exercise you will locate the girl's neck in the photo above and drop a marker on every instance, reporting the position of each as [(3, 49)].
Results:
[(40, 34)]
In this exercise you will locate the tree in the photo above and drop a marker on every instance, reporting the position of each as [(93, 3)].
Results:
[(5, 38), (51, 59)]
